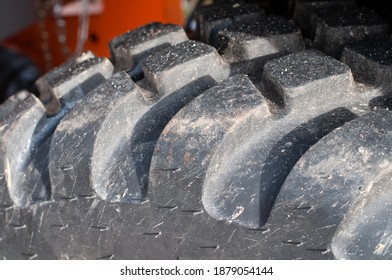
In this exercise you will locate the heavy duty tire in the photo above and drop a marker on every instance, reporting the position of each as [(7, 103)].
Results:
[(253, 144)]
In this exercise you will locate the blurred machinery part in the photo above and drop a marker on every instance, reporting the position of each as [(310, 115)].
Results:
[(17, 72), (106, 20)]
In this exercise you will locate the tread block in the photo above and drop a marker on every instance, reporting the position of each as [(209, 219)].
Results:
[(72, 80), (70, 173), (343, 180), (337, 28), (291, 80), (371, 62), (251, 162), (42, 83), (365, 231), (187, 143), (132, 47), (243, 181), (213, 19), (258, 41), (20, 116), (172, 68), (123, 167), (132, 124), (26, 124), (304, 12)]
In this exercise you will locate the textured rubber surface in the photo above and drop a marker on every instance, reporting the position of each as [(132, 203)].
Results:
[(346, 174), (305, 12), (188, 141), (248, 45), (242, 181), (72, 80), (215, 18), (370, 62), (336, 28), (131, 48), (246, 145), (29, 129), (19, 123)]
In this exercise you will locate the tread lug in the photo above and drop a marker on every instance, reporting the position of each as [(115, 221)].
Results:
[(371, 62), (132, 47), (72, 80)]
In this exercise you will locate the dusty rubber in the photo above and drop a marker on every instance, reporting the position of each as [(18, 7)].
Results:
[(262, 140)]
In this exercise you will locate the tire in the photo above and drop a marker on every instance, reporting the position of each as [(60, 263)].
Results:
[(252, 143)]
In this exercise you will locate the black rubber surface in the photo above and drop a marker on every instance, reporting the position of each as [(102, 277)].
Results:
[(258, 140)]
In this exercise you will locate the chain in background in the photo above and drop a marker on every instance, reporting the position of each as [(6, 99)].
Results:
[(53, 8)]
